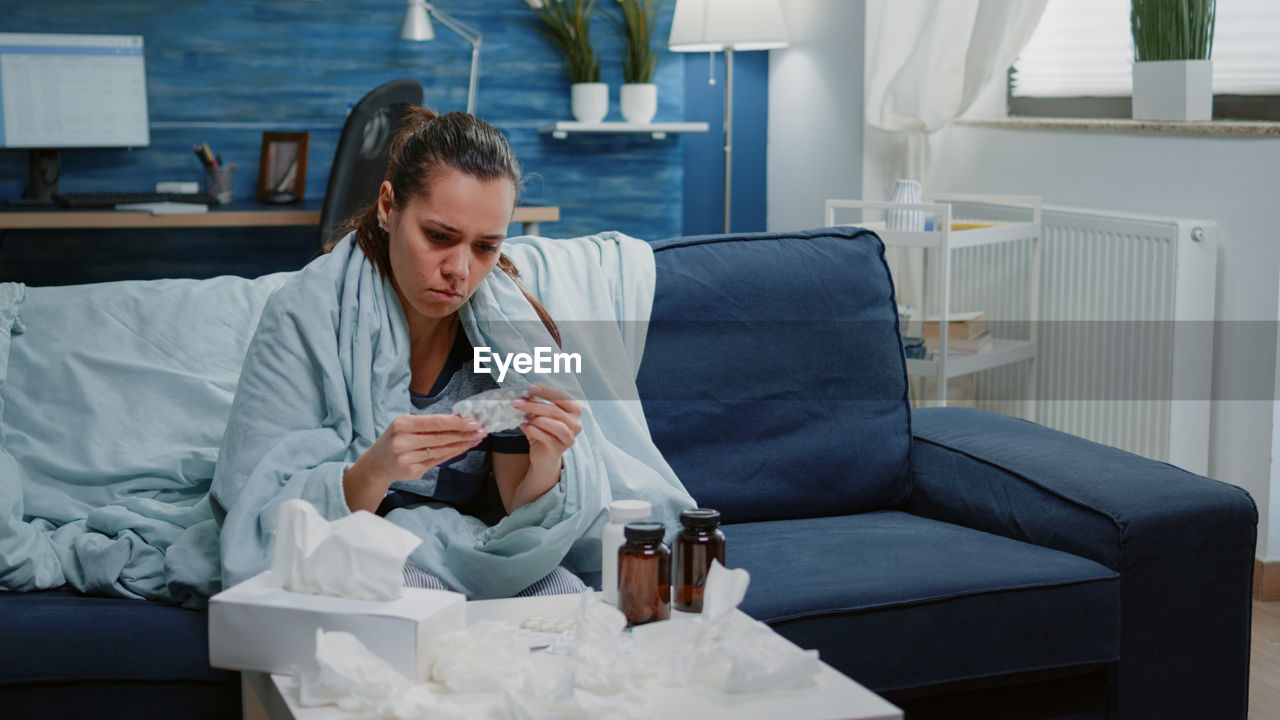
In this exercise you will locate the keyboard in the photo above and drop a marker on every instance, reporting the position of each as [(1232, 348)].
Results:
[(86, 201)]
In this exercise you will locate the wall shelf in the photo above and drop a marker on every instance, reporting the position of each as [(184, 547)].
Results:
[(562, 129)]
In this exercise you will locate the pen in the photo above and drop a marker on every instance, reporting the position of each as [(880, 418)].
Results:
[(199, 151)]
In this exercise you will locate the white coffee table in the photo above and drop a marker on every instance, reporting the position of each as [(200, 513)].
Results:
[(835, 697)]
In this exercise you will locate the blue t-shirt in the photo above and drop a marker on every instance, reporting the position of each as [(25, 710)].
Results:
[(464, 481)]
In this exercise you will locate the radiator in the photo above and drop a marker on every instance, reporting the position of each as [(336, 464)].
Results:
[(1125, 333)]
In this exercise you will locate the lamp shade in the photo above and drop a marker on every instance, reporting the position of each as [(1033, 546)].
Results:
[(416, 24), (709, 25)]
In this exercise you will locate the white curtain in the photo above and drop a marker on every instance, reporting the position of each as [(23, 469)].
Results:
[(927, 61), (930, 59)]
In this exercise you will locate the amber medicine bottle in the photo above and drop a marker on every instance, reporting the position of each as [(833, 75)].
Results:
[(621, 512), (699, 542), (644, 574)]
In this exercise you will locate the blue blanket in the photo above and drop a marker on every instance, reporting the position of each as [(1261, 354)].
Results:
[(114, 402), (328, 369)]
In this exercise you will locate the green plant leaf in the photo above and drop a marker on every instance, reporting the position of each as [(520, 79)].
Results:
[(567, 25), (634, 20), (1172, 29)]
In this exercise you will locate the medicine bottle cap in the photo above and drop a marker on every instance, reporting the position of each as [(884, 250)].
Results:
[(700, 519), (625, 511), (644, 531)]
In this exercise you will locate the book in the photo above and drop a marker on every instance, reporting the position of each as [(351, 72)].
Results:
[(165, 208), (962, 326), (981, 343)]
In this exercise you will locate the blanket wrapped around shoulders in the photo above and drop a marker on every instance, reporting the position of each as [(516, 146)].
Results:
[(328, 370)]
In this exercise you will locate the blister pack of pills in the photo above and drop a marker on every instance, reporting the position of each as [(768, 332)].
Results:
[(492, 408)]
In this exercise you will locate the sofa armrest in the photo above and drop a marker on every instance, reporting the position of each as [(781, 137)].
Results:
[(1183, 544)]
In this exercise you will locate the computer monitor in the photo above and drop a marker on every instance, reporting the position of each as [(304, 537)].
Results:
[(60, 91)]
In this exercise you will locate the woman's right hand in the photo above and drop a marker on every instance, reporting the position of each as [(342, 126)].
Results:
[(410, 446)]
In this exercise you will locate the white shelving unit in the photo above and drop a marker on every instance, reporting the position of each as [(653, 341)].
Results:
[(946, 237), (562, 129)]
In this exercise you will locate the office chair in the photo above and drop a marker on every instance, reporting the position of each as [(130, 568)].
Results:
[(360, 164)]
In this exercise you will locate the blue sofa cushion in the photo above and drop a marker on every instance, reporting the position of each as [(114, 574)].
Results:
[(62, 636), (764, 348), (898, 601)]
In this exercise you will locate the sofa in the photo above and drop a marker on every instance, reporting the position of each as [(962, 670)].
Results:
[(960, 563)]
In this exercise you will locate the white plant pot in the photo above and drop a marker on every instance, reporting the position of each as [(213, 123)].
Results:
[(590, 101), (1178, 90), (639, 102)]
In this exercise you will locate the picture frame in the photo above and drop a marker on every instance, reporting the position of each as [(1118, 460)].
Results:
[(282, 168)]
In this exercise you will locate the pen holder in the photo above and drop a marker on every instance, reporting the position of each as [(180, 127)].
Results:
[(217, 182)]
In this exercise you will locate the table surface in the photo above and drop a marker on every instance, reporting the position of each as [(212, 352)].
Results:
[(834, 697), (236, 214)]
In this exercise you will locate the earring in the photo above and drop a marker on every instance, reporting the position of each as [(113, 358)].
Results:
[(382, 225)]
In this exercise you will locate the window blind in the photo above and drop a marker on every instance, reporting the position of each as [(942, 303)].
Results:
[(1083, 48)]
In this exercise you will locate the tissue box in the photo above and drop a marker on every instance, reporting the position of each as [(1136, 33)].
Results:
[(258, 625)]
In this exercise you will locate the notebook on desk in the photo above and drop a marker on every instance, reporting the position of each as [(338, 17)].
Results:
[(164, 208)]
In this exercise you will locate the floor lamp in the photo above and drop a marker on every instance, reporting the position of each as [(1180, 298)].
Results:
[(417, 26), (728, 25)]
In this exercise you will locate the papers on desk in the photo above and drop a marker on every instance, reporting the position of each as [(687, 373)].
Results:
[(165, 208)]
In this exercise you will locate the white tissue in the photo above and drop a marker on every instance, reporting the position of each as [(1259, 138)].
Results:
[(359, 556), (723, 591), (486, 656), (720, 648), (347, 669), (357, 681), (492, 408), (605, 676), (596, 641)]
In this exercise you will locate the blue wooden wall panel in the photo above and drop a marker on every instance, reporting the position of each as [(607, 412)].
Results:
[(703, 206), (225, 72)]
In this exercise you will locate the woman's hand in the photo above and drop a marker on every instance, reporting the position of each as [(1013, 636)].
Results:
[(551, 426), (410, 446)]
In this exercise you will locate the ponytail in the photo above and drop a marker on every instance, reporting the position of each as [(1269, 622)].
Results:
[(508, 267)]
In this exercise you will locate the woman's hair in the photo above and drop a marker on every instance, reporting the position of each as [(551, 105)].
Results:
[(427, 144)]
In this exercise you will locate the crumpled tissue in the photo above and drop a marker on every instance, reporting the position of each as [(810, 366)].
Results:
[(486, 656), (492, 408), (604, 675), (358, 681), (359, 556), (721, 649)]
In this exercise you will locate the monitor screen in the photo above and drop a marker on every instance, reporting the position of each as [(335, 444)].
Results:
[(72, 91)]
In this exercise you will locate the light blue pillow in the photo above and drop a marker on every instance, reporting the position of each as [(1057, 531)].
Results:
[(127, 382), (11, 298)]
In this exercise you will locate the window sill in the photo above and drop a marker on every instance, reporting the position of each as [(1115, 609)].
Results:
[(1258, 128)]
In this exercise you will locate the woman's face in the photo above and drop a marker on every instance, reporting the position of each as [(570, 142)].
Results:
[(443, 244)]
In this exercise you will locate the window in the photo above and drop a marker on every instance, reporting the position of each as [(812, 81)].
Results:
[(1079, 61)]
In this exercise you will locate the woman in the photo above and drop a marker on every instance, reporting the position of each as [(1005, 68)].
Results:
[(434, 235)]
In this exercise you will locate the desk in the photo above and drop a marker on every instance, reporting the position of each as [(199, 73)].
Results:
[(237, 214)]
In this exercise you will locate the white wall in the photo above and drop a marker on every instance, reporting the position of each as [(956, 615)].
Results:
[(815, 112), (1231, 179)]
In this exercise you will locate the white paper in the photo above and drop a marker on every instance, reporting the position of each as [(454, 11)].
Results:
[(359, 556), (164, 208)]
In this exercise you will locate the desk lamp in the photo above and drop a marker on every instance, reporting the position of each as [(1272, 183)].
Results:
[(417, 26), (728, 25)]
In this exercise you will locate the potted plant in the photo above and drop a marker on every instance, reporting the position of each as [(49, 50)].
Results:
[(635, 21), (567, 24), (1172, 72)]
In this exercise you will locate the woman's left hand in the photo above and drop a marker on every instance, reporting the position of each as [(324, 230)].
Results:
[(551, 426)]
